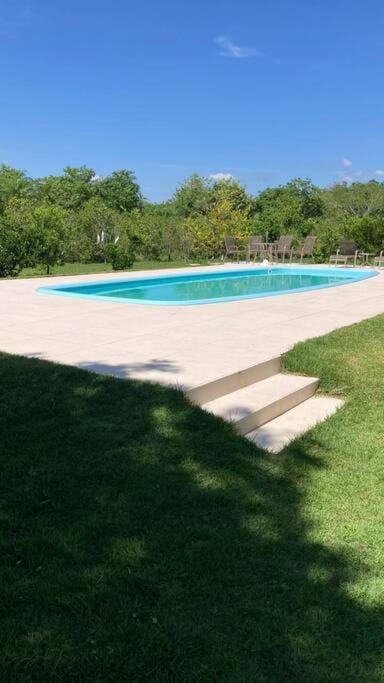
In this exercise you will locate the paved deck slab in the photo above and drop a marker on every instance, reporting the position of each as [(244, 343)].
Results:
[(177, 345)]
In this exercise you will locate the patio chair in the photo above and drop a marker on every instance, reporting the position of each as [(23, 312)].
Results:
[(282, 248), (232, 249), (306, 250), (256, 246), (347, 250), (379, 259)]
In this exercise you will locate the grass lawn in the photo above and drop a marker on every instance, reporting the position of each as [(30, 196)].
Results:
[(143, 540), (87, 268)]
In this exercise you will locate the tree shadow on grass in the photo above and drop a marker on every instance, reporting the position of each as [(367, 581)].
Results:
[(142, 539), (125, 370), (121, 370)]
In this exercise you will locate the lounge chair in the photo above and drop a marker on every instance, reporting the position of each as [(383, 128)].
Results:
[(379, 259), (256, 246), (347, 250), (282, 248), (232, 249), (306, 251)]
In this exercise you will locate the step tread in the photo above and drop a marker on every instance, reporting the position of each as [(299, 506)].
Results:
[(243, 402), (279, 432)]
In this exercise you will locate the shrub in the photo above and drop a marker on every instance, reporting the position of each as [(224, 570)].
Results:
[(120, 255)]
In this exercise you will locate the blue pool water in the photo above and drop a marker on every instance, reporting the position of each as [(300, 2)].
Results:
[(213, 287)]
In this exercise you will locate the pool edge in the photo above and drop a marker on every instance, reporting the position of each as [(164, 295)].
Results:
[(64, 290)]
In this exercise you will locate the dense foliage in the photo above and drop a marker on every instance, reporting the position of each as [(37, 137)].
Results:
[(78, 216)]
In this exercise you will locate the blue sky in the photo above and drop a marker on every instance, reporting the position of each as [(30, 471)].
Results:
[(262, 91)]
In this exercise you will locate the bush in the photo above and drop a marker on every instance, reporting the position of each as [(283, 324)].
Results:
[(120, 255)]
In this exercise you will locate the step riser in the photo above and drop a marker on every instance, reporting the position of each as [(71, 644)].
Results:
[(273, 410), (226, 385)]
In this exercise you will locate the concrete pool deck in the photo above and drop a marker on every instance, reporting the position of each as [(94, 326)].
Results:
[(183, 346)]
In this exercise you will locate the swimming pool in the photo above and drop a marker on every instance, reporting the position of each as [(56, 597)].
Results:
[(213, 287)]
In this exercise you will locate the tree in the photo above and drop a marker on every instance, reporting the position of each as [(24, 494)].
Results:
[(120, 191), (288, 208), (193, 197), (49, 235), (357, 199), (205, 234), (12, 251), (98, 226), (70, 190), (16, 243), (30, 234), (156, 231), (13, 184), (233, 194), (309, 196), (278, 212)]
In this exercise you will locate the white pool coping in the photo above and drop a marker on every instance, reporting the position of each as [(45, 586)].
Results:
[(183, 346)]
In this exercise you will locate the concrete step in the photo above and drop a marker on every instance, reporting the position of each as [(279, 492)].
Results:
[(278, 433), (205, 393), (258, 403)]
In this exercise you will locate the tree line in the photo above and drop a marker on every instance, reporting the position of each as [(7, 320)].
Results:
[(78, 216)]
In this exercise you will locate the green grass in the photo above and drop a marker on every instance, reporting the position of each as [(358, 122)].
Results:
[(88, 268), (143, 540)]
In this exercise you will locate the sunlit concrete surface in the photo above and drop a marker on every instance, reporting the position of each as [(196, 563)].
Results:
[(177, 345), (278, 433)]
